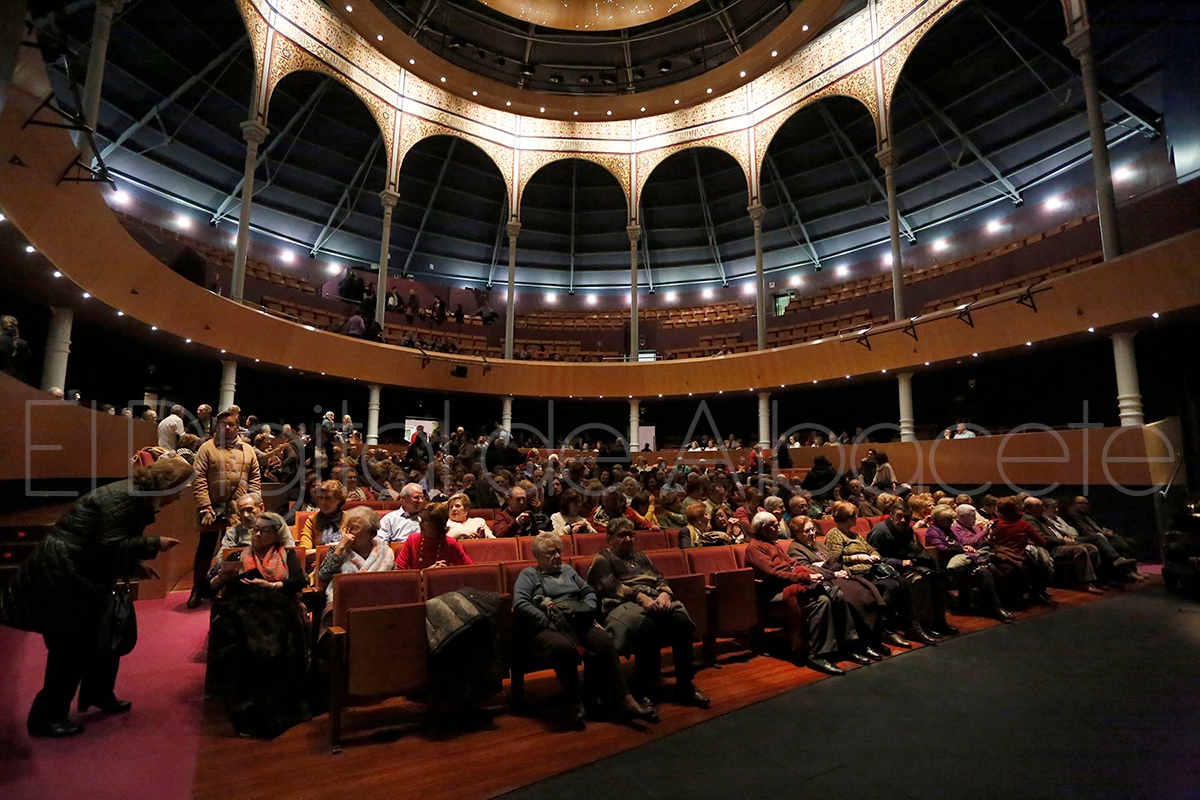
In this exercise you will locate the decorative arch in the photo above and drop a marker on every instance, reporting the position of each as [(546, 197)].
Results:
[(733, 144), (286, 58), (414, 130), (859, 85), (531, 161), (892, 61)]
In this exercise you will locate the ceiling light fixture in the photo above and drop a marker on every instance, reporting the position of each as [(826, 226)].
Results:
[(1054, 204), (153, 327), (676, 102), (183, 222), (940, 245), (707, 294), (443, 79), (774, 53), (508, 102), (842, 271), (994, 226), (57, 274), (86, 295), (590, 299), (542, 109), (1123, 174), (742, 74), (29, 248), (708, 91), (350, 8), (379, 37), (804, 27), (288, 256), (122, 313), (671, 297), (796, 280), (551, 299), (474, 94), (643, 108)]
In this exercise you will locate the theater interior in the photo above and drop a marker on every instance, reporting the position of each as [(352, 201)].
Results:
[(944, 254)]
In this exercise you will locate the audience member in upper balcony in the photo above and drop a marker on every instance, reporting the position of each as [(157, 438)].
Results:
[(814, 620), (396, 526), (555, 610), (393, 300), (359, 550), (63, 588), (894, 540), (641, 614), (225, 471), (355, 325), (256, 631), (885, 476), (430, 547), (14, 351), (461, 524), (866, 604), (964, 564), (1116, 551), (858, 557), (1011, 540), (412, 307), (325, 526), (1084, 558), (961, 431)]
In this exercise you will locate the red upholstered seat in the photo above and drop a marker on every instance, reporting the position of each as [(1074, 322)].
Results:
[(368, 589), (481, 577), (301, 518), (739, 553), (707, 560), (488, 514), (512, 570), (825, 526), (588, 544), (581, 564), (670, 562), (652, 540), (491, 551)]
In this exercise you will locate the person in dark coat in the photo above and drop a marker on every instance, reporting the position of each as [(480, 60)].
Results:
[(62, 591), (896, 543), (14, 351)]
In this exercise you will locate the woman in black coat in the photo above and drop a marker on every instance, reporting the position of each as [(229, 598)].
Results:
[(62, 591)]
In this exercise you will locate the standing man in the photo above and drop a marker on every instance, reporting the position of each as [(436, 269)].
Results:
[(225, 471), (171, 428), (203, 426)]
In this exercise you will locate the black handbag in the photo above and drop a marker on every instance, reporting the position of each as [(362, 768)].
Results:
[(883, 572), (118, 626)]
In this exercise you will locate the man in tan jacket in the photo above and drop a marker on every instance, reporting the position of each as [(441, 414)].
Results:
[(225, 471)]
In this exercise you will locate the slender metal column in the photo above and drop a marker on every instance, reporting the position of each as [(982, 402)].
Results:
[(255, 134), (389, 200), (228, 385), (506, 413), (764, 419), (513, 228), (635, 420), (635, 234), (888, 160), (97, 57), (373, 414), (757, 212)]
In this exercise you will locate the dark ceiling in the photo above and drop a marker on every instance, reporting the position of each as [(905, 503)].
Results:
[(994, 70)]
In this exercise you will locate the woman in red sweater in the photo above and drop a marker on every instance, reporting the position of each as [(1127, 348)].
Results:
[(1009, 539), (431, 547)]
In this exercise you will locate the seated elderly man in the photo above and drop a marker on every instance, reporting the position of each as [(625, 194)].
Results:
[(612, 506), (801, 505), (897, 545), (807, 603), (774, 505), (406, 520), (1115, 551), (515, 519), (641, 614), (237, 537), (1083, 558)]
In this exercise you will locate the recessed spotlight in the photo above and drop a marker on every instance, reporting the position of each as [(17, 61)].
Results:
[(927, 363), (884, 371), (708, 91), (350, 9), (608, 113), (847, 377), (222, 352), (1155, 315), (974, 355), (122, 313), (774, 53), (289, 367), (643, 108), (86, 295), (660, 395), (551, 299), (153, 327), (442, 79), (508, 102), (542, 109), (412, 61), (940, 245), (1054, 203), (474, 94), (722, 391), (591, 299), (256, 361), (379, 37), (803, 27), (2, 217), (576, 113), (1091, 330), (29, 248), (187, 341), (676, 102), (994, 226), (57, 274), (671, 297), (707, 294), (742, 74), (814, 381), (288, 256), (1029, 344)]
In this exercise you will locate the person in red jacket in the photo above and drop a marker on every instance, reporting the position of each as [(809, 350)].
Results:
[(808, 606), (432, 548)]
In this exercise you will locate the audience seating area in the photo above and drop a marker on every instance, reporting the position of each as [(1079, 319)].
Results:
[(712, 314), (1013, 284)]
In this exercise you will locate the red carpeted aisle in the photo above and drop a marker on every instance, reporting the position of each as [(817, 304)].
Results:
[(149, 752)]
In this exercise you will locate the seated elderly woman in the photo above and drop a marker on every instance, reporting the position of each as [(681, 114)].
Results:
[(699, 532), (670, 516), (358, 551), (866, 604), (325, 526), (256, 631), (858, 557), (461, 525), (556, 616), (1010, 540), (432, 547), (808, 605), (964, 564), (569, 518), (641, 614), (968, 529)]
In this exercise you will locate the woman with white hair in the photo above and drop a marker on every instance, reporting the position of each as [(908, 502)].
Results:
[(358, 551), (969, 527), (556, 613), (964, 564)]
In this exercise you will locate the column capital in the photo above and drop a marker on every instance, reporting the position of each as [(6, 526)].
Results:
[(110, 6), (254, 131), (888, 158), (1080, 43), (635, 233), (757, 211), (513, 228), (389, 198)]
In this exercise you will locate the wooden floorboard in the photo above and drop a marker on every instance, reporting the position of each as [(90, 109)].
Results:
[(387, 752)]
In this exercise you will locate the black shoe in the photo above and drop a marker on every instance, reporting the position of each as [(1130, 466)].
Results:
[(193, 600), (689, 695), (1044, 599), (946, 629), (54, 730), (646, 713), (896, 640), (857, 658), (873, 654), (575, 717), (921, 636), (1004, 615), (821, 665), (110, 706)]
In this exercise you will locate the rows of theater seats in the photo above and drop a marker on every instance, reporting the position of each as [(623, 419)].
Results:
[(1014, 284), (223, 256), (380, 644), (865, 287), (709, 314)]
